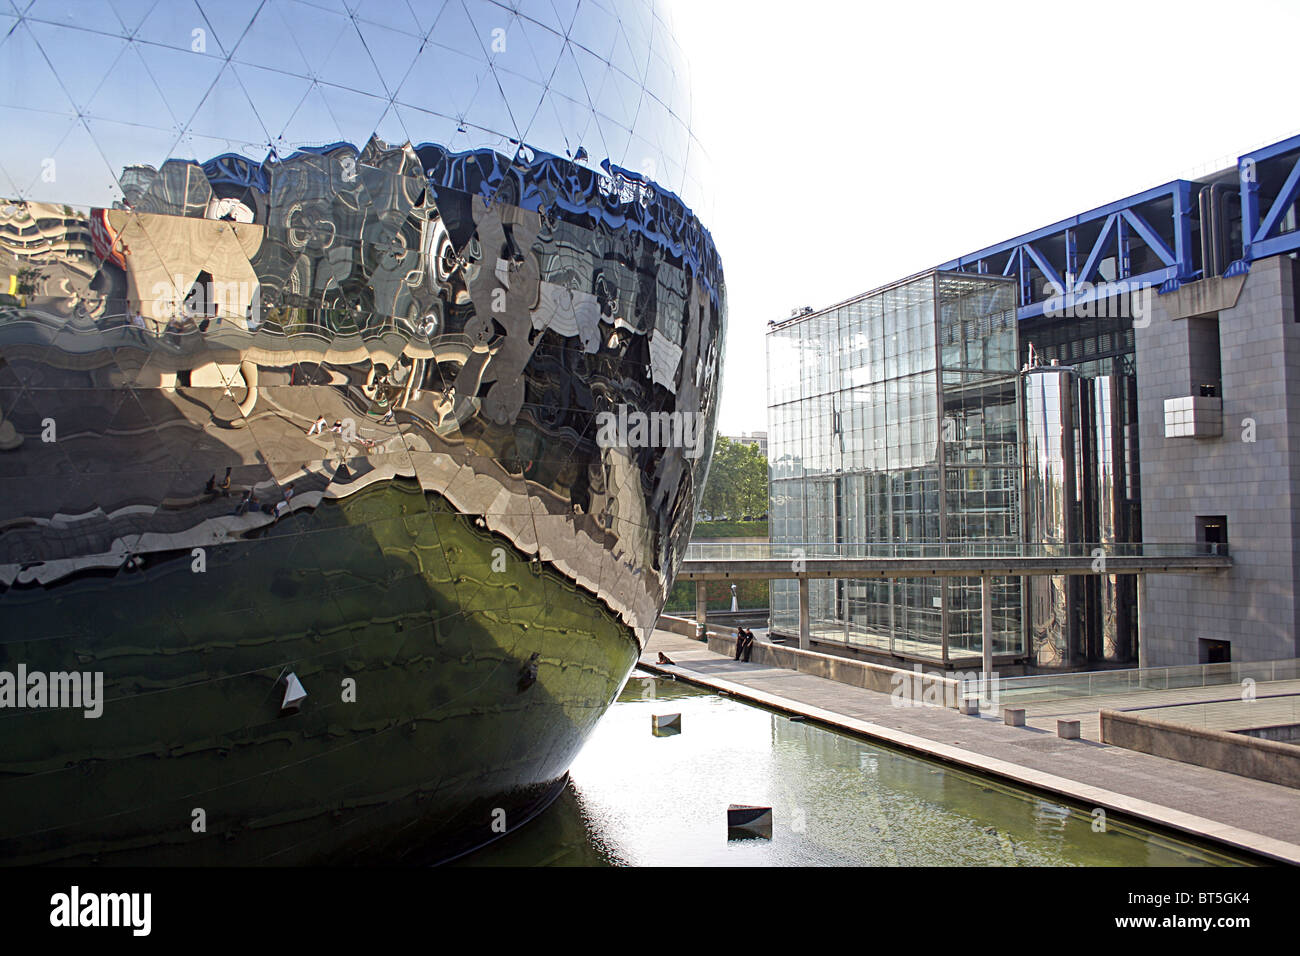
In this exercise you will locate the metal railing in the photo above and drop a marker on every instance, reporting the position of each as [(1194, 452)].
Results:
[(782, 551), (1138, 679)]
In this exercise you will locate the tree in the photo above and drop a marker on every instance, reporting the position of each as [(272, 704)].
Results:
[(737, 484), (29, 279)]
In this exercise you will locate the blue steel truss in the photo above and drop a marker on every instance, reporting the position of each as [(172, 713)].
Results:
[(1270, 184), (1145, 239)]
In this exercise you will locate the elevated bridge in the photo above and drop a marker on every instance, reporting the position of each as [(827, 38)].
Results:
[(984, 560)]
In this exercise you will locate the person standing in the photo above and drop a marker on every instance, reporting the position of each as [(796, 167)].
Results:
[(740, 641)]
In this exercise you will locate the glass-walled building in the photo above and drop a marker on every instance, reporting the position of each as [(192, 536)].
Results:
[(892, 423)]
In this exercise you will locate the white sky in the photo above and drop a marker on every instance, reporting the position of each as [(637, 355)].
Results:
[(856, 142)]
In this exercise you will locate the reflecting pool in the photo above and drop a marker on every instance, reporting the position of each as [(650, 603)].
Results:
[(641, 800)]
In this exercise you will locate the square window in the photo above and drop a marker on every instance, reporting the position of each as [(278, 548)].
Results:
[(1214, 651), (1212, 531)]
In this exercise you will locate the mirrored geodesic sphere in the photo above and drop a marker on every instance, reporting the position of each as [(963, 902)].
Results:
[(98, 88), (364, 350)]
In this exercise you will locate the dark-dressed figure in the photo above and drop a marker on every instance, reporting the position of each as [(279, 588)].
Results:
[(744, 643)]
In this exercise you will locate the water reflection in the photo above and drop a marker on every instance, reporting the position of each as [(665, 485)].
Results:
[(637, 799)]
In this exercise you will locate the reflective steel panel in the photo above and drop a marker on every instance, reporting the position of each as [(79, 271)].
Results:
[(1051, 513), (1111, 625)]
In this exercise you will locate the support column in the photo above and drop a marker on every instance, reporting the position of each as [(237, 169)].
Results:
[(805, 619), (986, 625), (1143, 657), (892, 630), (702, 606)]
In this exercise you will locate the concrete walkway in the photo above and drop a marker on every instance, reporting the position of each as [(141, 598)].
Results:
[(1245, 814)]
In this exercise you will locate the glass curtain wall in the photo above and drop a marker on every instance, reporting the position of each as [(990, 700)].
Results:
[(979, 355), (892, 422)]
